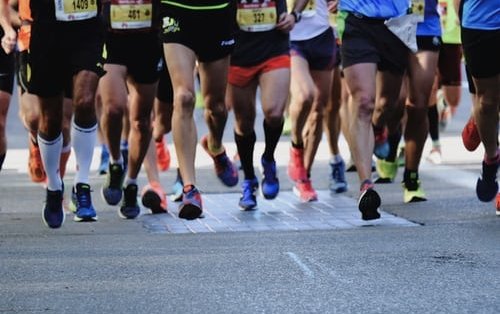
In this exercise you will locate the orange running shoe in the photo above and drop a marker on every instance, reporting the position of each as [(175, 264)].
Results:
[(296, 169), (154, 198), (162, 155), (62, 163), (304, 190), (470, 135), (35, 165)]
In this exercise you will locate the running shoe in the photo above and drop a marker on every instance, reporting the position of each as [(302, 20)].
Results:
[(162, 155), (35, 165), (487, 185), (413, 192), (104, 163), (369, 201), (53, 212), (382, 148), (434, 156), (191, 207), (270, 183), (296, 169), (177, 188), (112, 189), (304, 190), (338, 183), (153, 197), (386, 170), (248, 201), (84, 209), (470, 135), (224, 168), (497, 204), (129, 208)]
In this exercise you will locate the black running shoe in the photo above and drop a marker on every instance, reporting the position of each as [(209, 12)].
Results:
[(53, 213), (129, 208)]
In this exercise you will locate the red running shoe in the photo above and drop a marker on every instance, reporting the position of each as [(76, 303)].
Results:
[(296, 169), (470, 135), (162, 155)]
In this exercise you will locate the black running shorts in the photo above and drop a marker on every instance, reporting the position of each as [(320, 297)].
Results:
[(139, 52), (209, 33), (367, 40), (481, 51), (59, 50)]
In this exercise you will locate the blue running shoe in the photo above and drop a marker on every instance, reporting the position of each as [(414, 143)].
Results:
[(129, 208), (224, 168), (248, 200), (191, 207), (84, 209), (487, 185), (53, 213), (338, 183), (104, 164), (112, 189), (270, 183)]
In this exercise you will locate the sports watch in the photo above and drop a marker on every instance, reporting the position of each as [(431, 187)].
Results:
[(297, 16)]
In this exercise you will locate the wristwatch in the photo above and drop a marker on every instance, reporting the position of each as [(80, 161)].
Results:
[(297, 16)]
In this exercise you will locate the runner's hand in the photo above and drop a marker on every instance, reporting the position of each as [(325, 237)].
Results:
[(285, 22), (332, 6), (9, 40)]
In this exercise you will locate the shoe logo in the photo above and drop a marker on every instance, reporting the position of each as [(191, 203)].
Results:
[(227, 42), (170, 25)]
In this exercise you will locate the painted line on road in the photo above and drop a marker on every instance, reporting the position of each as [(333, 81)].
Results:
[(307, 271)]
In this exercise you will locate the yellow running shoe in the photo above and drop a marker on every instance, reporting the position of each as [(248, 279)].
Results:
[(386, 170), (412, 196)]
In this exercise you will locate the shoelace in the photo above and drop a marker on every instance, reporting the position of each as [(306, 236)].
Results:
[(83, 197)]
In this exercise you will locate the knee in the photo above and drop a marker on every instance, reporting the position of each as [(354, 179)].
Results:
[(141, 125), (184, 103), (366, 105)]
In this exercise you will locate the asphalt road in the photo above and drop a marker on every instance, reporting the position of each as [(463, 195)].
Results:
[(445, 260)]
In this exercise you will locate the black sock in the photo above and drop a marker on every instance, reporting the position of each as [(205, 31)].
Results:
[(410, 178), (2, 158), (272, 137), (245, 145), (433, 122), (393, 140)]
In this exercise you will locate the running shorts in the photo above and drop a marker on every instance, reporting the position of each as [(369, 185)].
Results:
[(450, 64), (482, 51), (368, 40), (319, 51), (60, 50), (139, 52), (242, 76)]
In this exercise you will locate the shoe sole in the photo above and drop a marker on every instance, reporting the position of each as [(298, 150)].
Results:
[(85, 219), (189, 211), (54, 227), (369, 202), (152, 201), (248, 208), (304, 200), (127, 217)]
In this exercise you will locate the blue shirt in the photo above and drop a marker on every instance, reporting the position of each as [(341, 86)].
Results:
[(431, 26), (382, 9), (481, 14)]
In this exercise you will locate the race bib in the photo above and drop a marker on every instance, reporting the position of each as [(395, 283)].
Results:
[(418, 8), (75, 10), (257, 16), (131, 14)]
